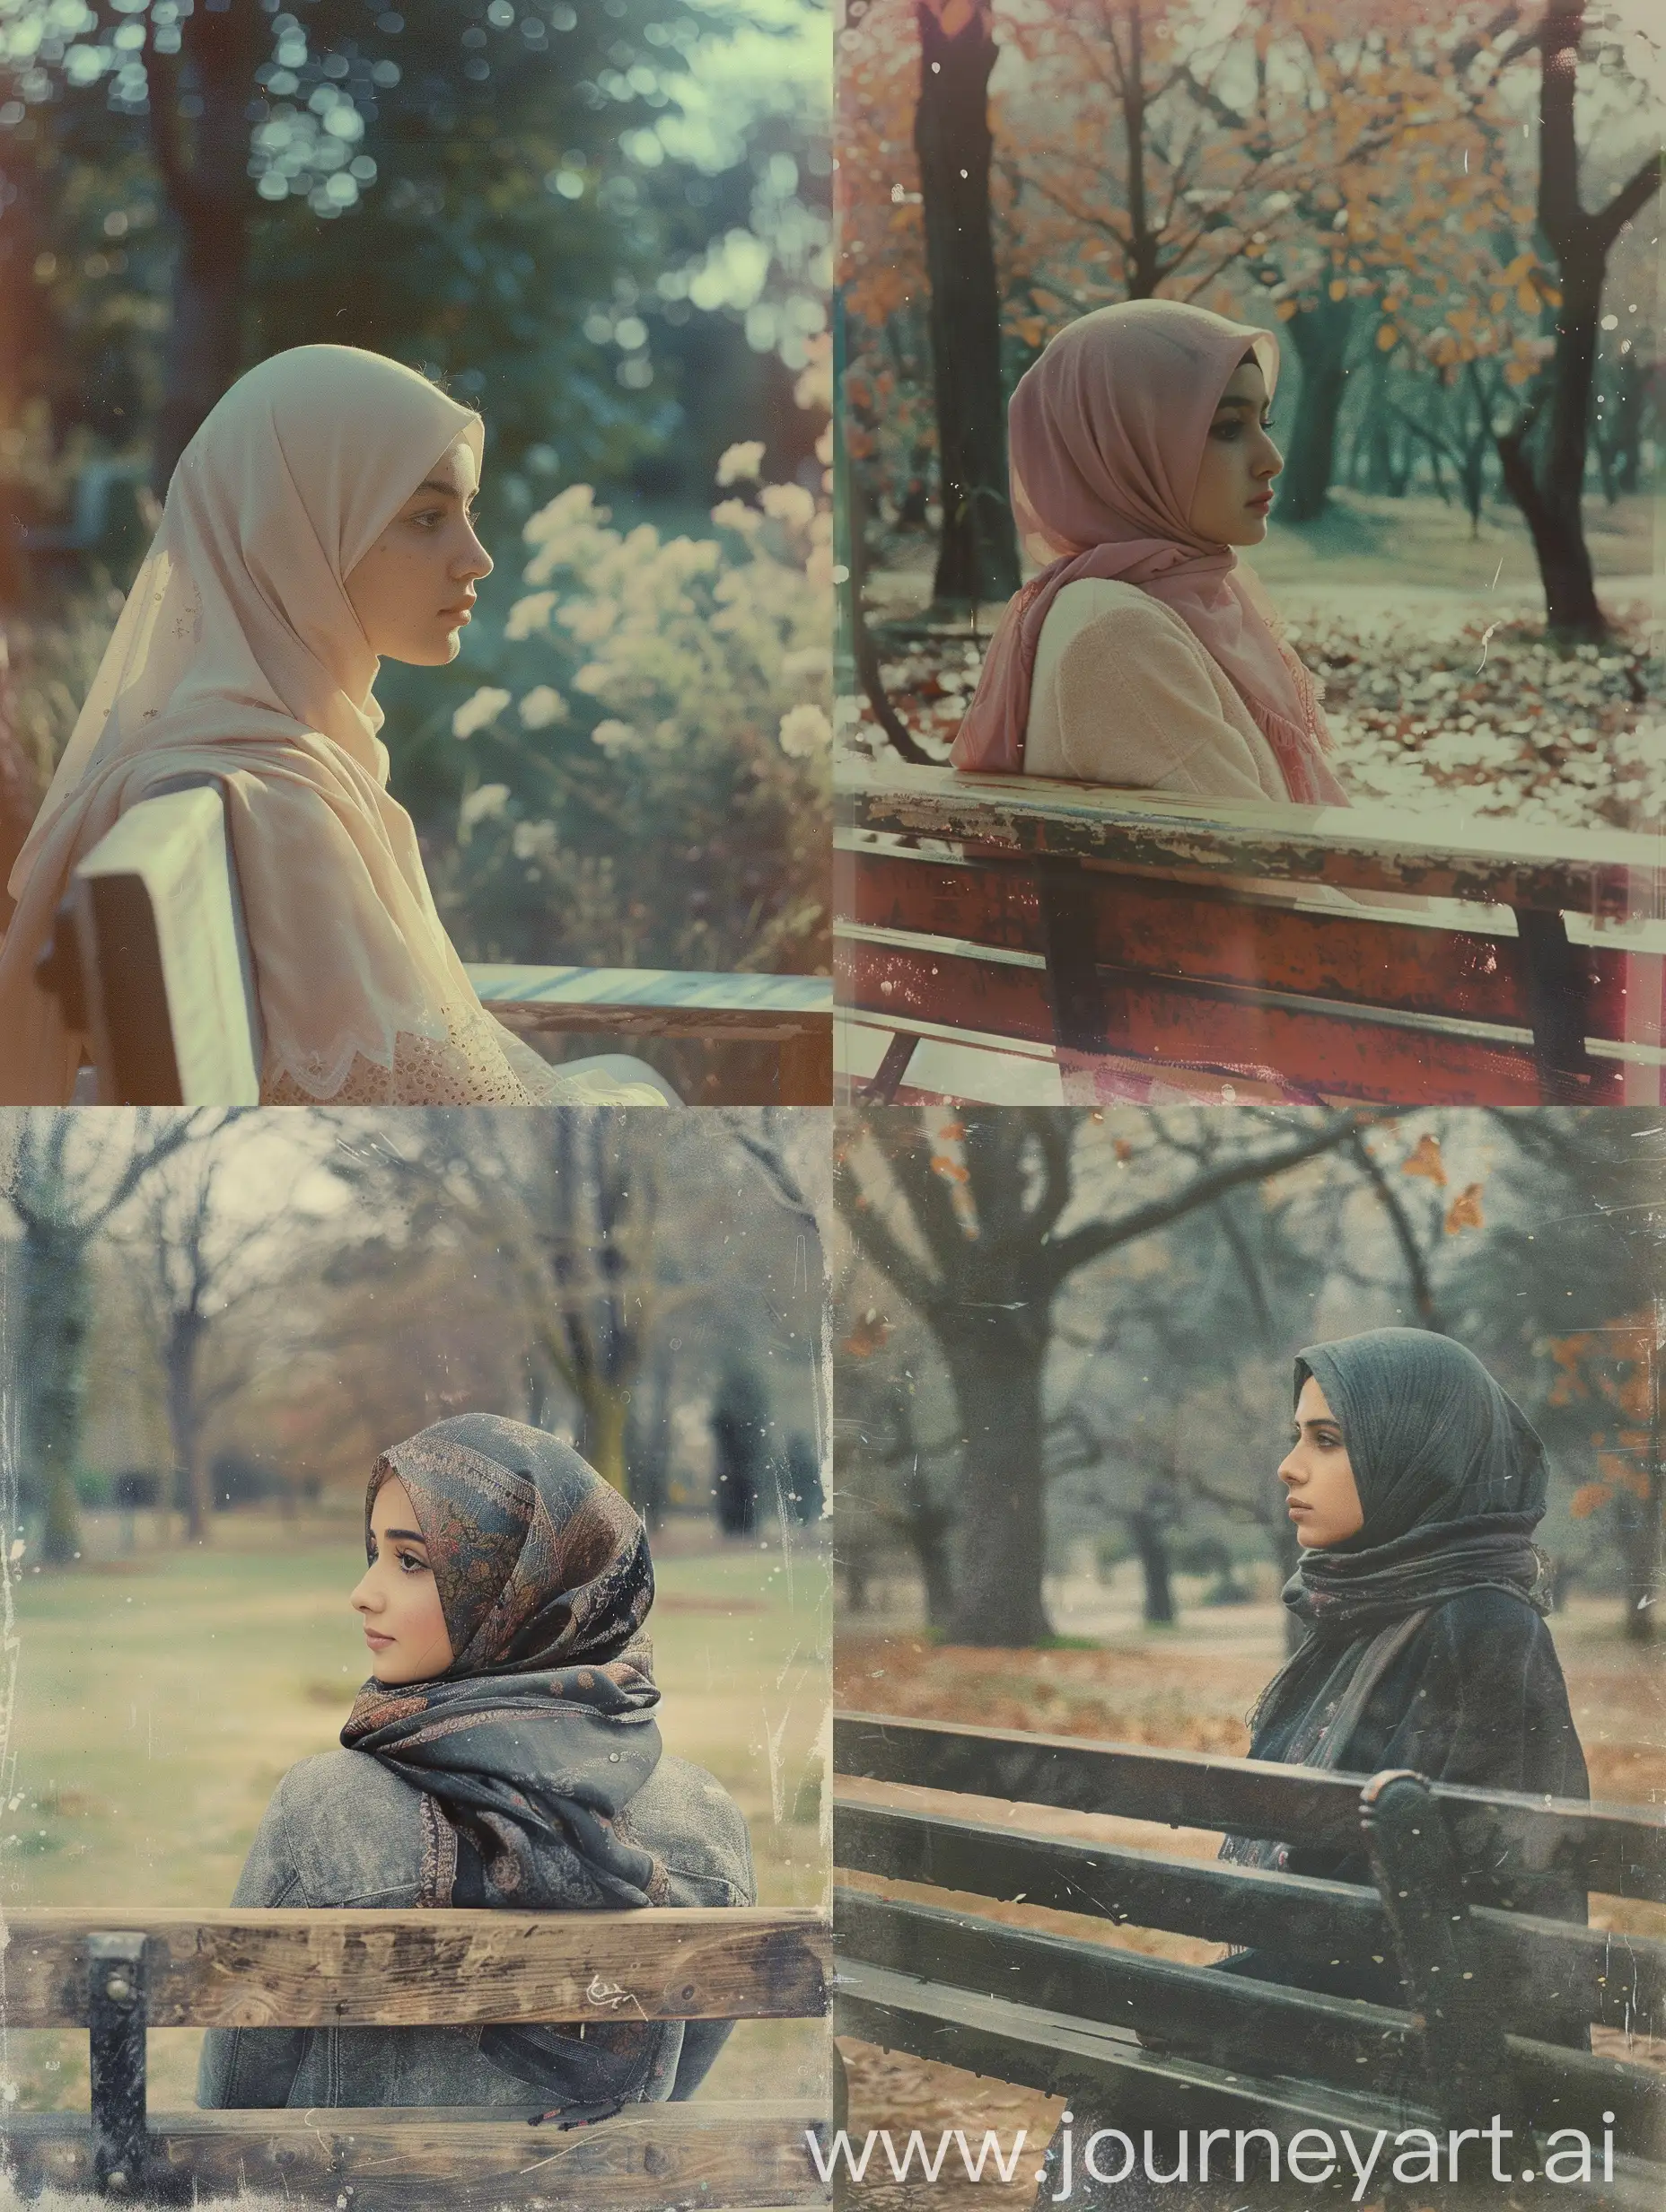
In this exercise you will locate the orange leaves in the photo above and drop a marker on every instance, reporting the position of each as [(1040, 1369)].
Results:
[(1388, 338), (949, 1170), (1465, 1211), (1586, 1499), (1426, 1161), (870, 1334)]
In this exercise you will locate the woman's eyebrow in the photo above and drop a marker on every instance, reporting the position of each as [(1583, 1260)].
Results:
[(446, 491), (1232, 398), (411, 1536)]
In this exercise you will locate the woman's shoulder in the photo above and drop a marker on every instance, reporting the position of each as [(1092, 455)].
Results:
[(351, 1828), (1491, 1624), (686, 1817), (1112, 610)]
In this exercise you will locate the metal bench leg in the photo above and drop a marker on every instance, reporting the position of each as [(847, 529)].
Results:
[(882, 1087), (115, 2030), (1556, 976), (1469, 2075), (1085, 1013)]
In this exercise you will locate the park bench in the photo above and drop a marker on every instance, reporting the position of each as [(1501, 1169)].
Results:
[(1060, 2013), (151, 960), (117, 1971), (1026, 916)]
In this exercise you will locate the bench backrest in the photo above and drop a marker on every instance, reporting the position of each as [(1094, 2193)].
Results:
[(1189, 936), (119, 1971), (1473, 2036), (166, 985)]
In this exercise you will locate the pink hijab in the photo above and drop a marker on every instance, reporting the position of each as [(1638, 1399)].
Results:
[(1106, 433)]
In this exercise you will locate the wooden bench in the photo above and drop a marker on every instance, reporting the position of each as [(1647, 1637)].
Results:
[(117, 1971), (1061, 2012), (151, 960), (1019, 914)]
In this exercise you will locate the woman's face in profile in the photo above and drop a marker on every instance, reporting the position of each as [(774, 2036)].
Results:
[(398, 1599), (413, 590), (1234, 494), (1319, 1490)]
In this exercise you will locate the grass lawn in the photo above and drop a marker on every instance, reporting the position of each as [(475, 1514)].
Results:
[(161, 1695)]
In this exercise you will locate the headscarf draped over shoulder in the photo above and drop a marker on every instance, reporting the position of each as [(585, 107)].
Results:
[(239, 658), (536, 1739), (1107, 432)]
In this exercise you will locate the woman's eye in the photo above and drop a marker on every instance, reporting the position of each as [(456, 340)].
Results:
[(409, 1561)]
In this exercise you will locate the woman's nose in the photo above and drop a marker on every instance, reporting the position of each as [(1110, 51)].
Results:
[(1271, 464), (1288, 1472), (476, 560)]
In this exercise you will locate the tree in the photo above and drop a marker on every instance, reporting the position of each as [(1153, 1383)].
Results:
[(64, 1193), (203, 1269), (977, 548), (971, 1234), (1550, 488)]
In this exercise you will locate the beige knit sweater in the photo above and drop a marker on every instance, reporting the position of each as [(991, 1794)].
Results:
[(1124, 693)]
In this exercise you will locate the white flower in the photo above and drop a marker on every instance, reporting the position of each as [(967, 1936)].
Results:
[(593, 677), (534, 840), (735, 514), (614, 738), (485, 802), (804, 730), (542, 705), (529, 615), (740, 463), (474, 714), (788, 502)]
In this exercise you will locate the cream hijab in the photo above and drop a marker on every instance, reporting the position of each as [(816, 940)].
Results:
[(237, 655)]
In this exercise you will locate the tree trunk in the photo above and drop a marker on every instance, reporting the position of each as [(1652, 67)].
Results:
[(606, 1410), (995, 1365), (185, 1337), (1319, 335), (1151, 1542), (977, 552), (210, 198), (57, 1316)]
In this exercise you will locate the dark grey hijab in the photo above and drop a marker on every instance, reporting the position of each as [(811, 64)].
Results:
[(1451, 1474)]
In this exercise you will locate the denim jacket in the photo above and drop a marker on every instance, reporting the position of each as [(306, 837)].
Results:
[(342, 1830)]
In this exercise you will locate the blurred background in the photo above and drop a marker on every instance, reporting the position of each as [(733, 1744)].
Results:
[(210, 1327), (1065, 1344), (1450, 214), (606, 227)]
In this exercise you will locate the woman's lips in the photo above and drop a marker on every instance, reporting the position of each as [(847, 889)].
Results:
[(377, 1642)]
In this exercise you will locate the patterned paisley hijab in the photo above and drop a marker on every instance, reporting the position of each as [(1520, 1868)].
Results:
[(530, 1748)]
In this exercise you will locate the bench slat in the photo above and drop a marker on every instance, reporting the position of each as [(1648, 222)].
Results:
[(1531, 1962), (640, 2161), (1604, 872), (1156, 928), (1619, 1850), (1226, 2020), (347, 1968), (1102, 2071), (1310, 1047)]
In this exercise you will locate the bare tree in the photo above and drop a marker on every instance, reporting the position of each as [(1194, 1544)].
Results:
[(64, 1193), (969, 1234), (203, 1269)]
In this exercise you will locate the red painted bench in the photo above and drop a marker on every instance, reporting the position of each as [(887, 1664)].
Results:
[(1020, 914)]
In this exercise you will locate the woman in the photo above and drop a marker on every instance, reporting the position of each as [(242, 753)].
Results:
[(1414, 1485), (318, 520), (503, 1753), (1144, 654)]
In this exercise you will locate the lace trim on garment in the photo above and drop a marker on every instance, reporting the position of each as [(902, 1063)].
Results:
[(467, 1067)]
